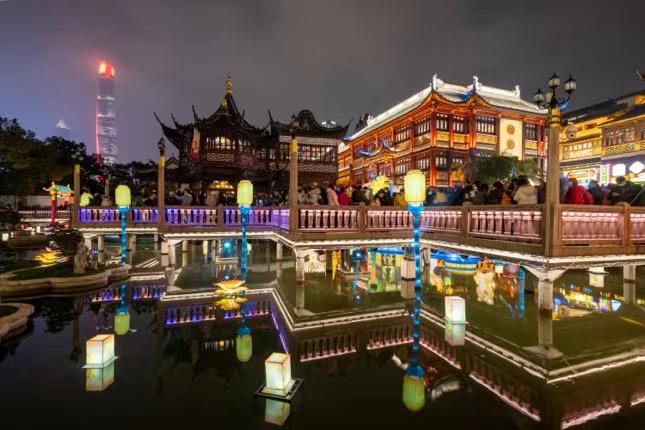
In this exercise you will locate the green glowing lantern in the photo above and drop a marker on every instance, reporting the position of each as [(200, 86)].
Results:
[(122, 195), (414, 393), (122, 322), (414, 183), (244, 193), (244, 348)]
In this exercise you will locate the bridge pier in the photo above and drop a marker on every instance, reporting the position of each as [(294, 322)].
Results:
[(300, 296), (165, 249), (87, 240), (172, 253), (132, 242), (545, 285), (278, 251), (278, 269), (100, 245), (300, 266), (184, 246), (629, 284)]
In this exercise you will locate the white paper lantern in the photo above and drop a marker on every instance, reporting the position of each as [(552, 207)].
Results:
[(278, 374), (455, 308), (100, 350)]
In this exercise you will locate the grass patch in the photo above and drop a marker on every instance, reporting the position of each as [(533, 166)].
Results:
[(56, 271), (6, 310)]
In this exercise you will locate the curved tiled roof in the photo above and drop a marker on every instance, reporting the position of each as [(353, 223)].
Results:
[(504, 99)]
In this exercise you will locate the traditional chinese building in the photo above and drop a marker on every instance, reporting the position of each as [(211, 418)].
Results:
[(605, 140), (438, 129), (215, 152)]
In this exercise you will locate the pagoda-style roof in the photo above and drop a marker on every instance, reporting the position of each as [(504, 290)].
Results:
[(225, 121), (305, 124), (456, 95)]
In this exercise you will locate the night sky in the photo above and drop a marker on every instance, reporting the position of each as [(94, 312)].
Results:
[(337, 58)]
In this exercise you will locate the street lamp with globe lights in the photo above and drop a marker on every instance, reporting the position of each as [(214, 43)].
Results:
[(555, 105)]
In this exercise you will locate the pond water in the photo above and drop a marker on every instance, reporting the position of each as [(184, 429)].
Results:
[(347, 330)]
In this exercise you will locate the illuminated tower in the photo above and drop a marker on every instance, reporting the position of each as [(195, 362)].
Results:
[(106, 143)]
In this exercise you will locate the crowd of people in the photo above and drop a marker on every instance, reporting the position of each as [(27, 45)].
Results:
[(517, 190)]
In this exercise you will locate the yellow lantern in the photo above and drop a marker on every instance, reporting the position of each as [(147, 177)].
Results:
[(277, 370), (414, 392), (244, 348), (85, 199), (245, 193), (121, 323), (415, 187), (122, 195)]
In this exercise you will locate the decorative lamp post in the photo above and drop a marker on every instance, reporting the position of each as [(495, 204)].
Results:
[(122, 316), (413, 382), (52, 194), (77, 158), (123, 200), (161, 184), (555, 105), (243, 341)]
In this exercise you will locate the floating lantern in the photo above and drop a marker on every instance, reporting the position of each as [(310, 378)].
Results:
[(277, 370), (276, 412), (244, 193), (244, 347), (414, 392), (455, 309), (98, 379), (414, 183), (99, 350), (122, 195)]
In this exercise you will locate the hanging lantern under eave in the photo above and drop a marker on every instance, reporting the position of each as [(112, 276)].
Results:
[(244, 348), (121, 322), (245, 193), (414, 393), (85, 199), (122, 195), (415, 187)]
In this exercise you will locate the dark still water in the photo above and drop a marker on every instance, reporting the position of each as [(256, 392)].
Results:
[(347, 330)]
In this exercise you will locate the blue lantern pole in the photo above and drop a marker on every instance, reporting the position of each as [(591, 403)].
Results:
[(123, 210), (414, 369), (244, 211)]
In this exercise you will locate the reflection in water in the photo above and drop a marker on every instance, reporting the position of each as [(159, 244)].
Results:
[(190, 351)]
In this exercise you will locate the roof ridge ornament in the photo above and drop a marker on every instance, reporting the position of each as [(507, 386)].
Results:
[(229, 85)]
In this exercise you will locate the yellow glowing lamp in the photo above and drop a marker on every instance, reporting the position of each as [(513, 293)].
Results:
[(121, 323), (277, 370), (244, 348), (231, 286), (228, 304), (414, 393), (122, 195), (99, 350), (85, 199), (414, 183), (245, 193)]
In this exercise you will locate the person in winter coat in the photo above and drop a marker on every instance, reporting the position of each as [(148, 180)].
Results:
[(526, 194), (332, 196), (596, 192), (343, 197), (399, 198), (577, 195)]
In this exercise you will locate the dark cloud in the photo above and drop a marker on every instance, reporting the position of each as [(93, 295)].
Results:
[(337, 58)]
